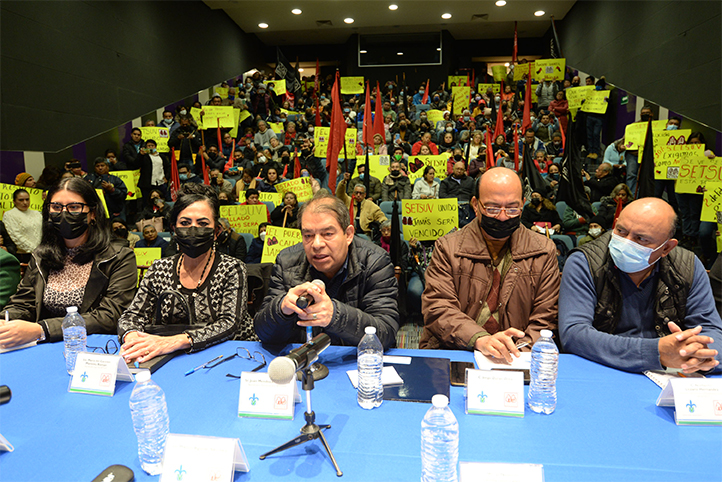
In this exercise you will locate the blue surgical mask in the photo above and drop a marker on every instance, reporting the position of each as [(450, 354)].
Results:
[(672, 127), (183, 177), (361, 176), (421, 91), (629, 256), (168, 121), (305, 174)]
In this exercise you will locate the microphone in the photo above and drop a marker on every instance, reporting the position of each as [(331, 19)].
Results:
[(5, 394), (306, 300), (283, 368)]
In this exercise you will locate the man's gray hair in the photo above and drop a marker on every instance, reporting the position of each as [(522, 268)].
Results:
[(226, 224), (324, 202), (363, 186)]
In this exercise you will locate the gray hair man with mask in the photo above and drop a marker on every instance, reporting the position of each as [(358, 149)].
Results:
[(492, 284), (635, 301)]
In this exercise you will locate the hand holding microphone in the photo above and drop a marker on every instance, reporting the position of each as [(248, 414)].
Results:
[(306, 299), (310, 303)]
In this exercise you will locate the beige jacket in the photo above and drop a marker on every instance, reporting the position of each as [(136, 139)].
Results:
[(369, 210)]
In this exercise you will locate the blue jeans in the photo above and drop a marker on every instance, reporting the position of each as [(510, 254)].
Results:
[(630, 157), (594, 130)]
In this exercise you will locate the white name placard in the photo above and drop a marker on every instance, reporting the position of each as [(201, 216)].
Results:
[(495, 392), (261, 398), (697, 401), (196, 458), (96, 374), (498, 472)]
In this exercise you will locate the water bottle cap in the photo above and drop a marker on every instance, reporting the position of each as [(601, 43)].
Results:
[(71, 309), (142, 376), (546, 334), (370, 330), (439, 401)]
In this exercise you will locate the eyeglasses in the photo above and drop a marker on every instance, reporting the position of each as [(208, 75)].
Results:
[(71, 207), (111, 348), (494, 211), (241, 352)]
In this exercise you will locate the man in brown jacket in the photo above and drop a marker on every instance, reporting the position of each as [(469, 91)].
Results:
[(365, 211), (491, 281)]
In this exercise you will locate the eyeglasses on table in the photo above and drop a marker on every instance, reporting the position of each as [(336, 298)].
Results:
[(241, 352)]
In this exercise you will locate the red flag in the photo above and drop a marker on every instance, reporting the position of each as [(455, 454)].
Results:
[(489, 150), (218, 131), (318, 113), (318, 80), (526, 122), (425, 98), (564, 137), (499, 129), (206, 181), (617, 211), (337, 135), (350, 211), (513, 55), (473, 79), (174, 176), (468, 80), (367, 126), (379, 116), (516, 146), (296, 164)]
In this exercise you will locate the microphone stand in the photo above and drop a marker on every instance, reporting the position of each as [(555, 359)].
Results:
[(310, 431), (319, 371)]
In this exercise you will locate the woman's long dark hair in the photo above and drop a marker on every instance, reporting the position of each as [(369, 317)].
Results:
[(52, 249)]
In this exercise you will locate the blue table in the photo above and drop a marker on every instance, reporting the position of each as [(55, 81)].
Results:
[(606, 426)]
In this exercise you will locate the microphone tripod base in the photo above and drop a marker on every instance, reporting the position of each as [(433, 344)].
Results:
[(319, 371)]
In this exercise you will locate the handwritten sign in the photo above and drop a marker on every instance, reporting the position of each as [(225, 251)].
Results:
[(6, 198), (159, 134), (276, 127), (217, 116), (461, 97), (712, 203), (236, 116), (279, 86), (378, 166), (100, 194), (668, 158), (499, 72), (276, 240), (575, 95), (301, 187), (596, 102), (549, 69), (272, 197), (429, 219), (146, 256), (321, 136), (434, 116), (495, 88), (222, 91), (635, 133), (697, 173), (417, 164), (196, 114), (245, 218), (129, 179), (523, 69), (352, 85), (456, 81)]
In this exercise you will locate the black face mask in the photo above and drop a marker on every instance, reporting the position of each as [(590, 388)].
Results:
[(395, 173), (499, 229), (305, 152), (69, 225), (194, 241), (535, 202), (645, 117), (224, 202), (458, 157), (121, 233)]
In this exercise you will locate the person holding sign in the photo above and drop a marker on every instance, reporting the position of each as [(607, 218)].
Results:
[(154, 169), (114, 189), (75, 265), (285, 216), (360, 287), (209, 284), (490, 282), (635, 301), (24, 225)]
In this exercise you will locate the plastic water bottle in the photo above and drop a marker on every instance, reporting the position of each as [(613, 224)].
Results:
[(74, 335), (544, 362), (370, 358), (439, 442), (150, 421)]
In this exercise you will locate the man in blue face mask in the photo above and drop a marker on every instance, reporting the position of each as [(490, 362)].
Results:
[(633, 300)]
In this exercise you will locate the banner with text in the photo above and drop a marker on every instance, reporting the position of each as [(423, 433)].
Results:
[(352, 85), (428, 219), (694, 176), (159, 134), (320, 139), (521, 70), (596, 102), (461, 97), (276, 240), (668, 159), (6, 198), (634, 133), (575, 95), (549, 69), (499, 72), (215, 116), (129, 179), (301, 187), (712, 203), (495, 88), (417, 164), (246, 218), (453, 81)]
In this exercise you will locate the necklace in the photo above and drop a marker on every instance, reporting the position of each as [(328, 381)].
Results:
[(203, 273)]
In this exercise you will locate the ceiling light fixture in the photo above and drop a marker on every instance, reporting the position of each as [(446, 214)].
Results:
[(393, 7), (297, 11), (500, 3), (506, 64), (539, 13), (438, 49), (300, 69), (363, 51), (348, 20), (399, 53), (263, 25), (446, 16)]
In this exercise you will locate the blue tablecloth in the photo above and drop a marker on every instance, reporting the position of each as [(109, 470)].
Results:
[(606, 426)]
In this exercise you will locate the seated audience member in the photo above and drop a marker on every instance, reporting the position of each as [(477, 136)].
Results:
[(447, 142), (212, 284), (9, 276), (219, 184), (252, 199), (608, 204), (360, 287), (602, 183), (635, 301), (74, 167), (424, 141), (229, 242), (74, 265), (24, 225), (154, 169), (213, 158), (224, 199), (476, 145), (364, 211), (385, 242), (152, 240), (529, 141), (554, 147), (458, 185), (491, 282), (6, 243), (120, 231), (596, 229), (374, 186), (426, 187), (614, 153), (49, 176), (24, 179), (552, 180), (544, 127), (541, 215), (380, 148), (186, 175), (574, 223), (247, 182), (156, 208), (255, 250), (186, 140), (113, 187), (286, 214), (264, 135), (270, 180), (396, 185)]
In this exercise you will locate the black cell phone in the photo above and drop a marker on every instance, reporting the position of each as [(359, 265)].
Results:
[(458, 373)]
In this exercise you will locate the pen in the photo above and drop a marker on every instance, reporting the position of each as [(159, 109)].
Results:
[(522, 344), (7, 317), (201, 366)]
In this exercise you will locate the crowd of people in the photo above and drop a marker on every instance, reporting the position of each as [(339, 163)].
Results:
[(491, 284)]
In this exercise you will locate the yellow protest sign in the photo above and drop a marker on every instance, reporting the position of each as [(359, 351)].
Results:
[(236, 115), (352, 85), (712, 203), (6, 198), (378, 166), (351, 138), (159, 134), (243, 116), (222, 91), (301, 187), (495, 88), (99, 192), (461, 97), (245, 218), (429, 219), (272, 197), (521, 70), (499, 72), (289, 112), (136, 178), (434, 116), (146, 256), (279, 86), (456, 81), (668, 158), (694, 176), (635, 133), (276, 240), (215, 116), (417, 164), (575, 95), (196, 114), (596, 101), (128, 178), (320, 138), (549, 69), (276, 127)]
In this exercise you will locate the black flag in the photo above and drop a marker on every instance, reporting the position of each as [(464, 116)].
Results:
[(532, 179), (645, 178), (367, 174), (284, 70), (571, 187), (395, 250)]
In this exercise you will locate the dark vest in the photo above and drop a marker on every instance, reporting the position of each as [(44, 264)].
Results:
[(676, 273)]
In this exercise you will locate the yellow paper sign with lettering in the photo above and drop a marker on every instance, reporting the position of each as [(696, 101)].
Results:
[(301, 187), (289, 112), (455, 81), (279, 86), (136, 178), (222, 91), (6, 198), (146, 256), (429, 219), (215, 116), (417, 164), (243, 116), (276, 127), (352, 85), (99, 192), (128, 178), (378, 166), (495, 88), (434, 116), (278, 239), (697, 174), (320, 138), (549, 69), (712, 203), (596, 102), (196, 114), (499, 72), (236, 115), (575, 95), (666, 138), (461, 97), (523, 69), (159, 134), (668, 158), (635, 133), (272, 197), (246, 218)]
